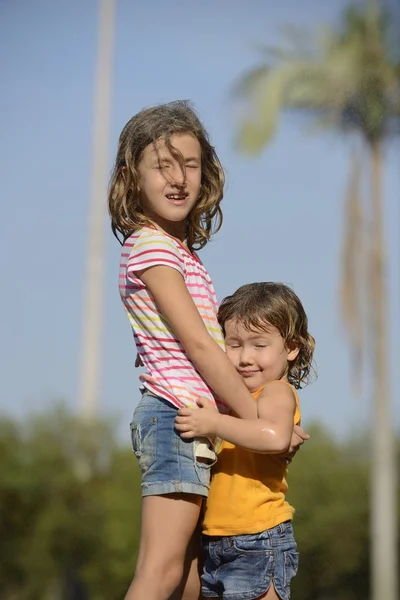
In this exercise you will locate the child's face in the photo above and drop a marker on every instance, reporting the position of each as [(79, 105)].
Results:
[(168, 194), (259, 356)]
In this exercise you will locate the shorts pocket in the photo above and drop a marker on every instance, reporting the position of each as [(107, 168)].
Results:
[(205, 456), (291, 566), (144, 441), (251, 544)]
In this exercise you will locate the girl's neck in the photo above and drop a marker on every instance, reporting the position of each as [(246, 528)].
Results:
[(175, 230)]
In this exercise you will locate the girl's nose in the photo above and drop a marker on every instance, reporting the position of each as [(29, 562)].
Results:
[(178, 176)]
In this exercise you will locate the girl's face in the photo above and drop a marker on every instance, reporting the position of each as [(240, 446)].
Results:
[(259, 356), (168, 194)]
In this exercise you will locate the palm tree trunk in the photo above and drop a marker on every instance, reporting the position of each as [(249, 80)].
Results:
[(383, 476), (95, 260)]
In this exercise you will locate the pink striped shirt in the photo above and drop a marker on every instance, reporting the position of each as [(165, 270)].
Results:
[(170, 373)]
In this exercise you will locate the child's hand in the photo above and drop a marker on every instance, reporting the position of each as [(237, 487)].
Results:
[(299, 436), (197, 422)]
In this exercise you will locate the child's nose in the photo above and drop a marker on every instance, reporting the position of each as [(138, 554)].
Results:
[(178, 176), (246, 357)]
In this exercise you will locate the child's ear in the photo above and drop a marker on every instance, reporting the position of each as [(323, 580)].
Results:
[(293, 351)]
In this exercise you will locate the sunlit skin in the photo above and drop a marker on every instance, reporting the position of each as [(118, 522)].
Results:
[(258, 355), (169, 191), (261, 357)]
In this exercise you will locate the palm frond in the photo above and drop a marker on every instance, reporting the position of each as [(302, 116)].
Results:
[(246, 83), (265, 96), (299, 41), (271, 54)]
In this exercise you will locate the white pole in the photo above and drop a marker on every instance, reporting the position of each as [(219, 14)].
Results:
[(96, 248)]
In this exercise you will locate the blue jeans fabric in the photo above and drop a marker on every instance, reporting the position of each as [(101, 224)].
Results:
[(243, 567), (168, 463)]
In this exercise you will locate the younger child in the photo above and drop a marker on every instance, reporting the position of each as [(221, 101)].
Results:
[(247, 532)]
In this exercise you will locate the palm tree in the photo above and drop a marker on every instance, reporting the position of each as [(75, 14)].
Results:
[(96, 245), (348, 79)]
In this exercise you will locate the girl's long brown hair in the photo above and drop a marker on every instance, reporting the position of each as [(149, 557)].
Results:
[(124, 197)]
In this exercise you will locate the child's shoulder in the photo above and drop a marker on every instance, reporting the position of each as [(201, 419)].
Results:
[(280, 388), (148, 247), (279, 396), (146, 232), (152, 237)]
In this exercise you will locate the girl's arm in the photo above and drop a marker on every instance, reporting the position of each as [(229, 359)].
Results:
[(168, 289), (271, 432)]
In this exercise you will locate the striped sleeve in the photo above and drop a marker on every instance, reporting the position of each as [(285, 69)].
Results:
[(151, 250)]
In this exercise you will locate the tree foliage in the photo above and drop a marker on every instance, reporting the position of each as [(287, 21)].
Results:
[(347, 78), (70, 506)]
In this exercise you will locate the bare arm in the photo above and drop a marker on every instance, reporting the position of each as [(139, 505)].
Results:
[(299, 436), (271, 433), (173, 299)]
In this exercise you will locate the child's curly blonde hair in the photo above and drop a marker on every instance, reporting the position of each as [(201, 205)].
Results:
[(124, 198), (260, 305)]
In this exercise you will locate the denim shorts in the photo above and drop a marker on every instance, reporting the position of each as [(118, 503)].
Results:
[(167, 462), (243, 567)]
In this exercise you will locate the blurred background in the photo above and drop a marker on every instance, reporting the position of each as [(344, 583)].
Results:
[(302, 102)]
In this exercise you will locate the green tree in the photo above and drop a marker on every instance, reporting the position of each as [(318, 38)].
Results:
[(348, 79), (70, 506), (70, 512), (328, 485)]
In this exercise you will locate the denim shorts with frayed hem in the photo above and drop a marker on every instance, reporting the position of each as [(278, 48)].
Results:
[(243, 567), (167, 462)]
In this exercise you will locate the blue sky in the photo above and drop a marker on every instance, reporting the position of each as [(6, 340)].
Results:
[(283, 210)]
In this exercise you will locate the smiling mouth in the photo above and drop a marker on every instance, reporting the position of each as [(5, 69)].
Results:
[(248, 373), (177, 199)]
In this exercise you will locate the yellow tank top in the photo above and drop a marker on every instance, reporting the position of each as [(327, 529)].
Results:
[(247, 492)]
